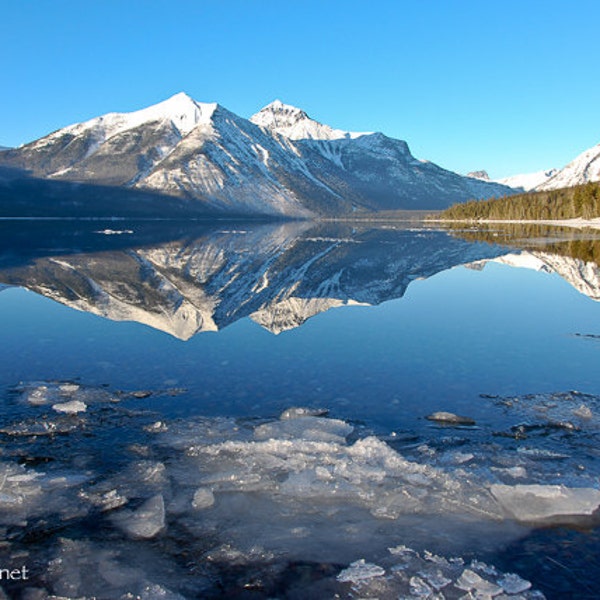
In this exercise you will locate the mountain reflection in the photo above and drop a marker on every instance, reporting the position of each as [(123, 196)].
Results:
[(569, 242), (279, 275)]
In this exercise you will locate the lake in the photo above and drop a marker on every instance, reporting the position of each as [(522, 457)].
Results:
[(298, 410)]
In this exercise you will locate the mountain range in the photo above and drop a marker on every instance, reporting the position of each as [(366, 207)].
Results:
[(582, 169), (280, 162)]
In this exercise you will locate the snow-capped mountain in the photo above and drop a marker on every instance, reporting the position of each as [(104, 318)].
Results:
[(524, 182), (528, 181), (280, 162), (584, 168), (295, 124)]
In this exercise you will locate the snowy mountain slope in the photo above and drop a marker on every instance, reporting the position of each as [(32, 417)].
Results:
[(295, 124), (379, 169), (524, 182), (69, 151), (584, 168), (528, 181), (280, 162)]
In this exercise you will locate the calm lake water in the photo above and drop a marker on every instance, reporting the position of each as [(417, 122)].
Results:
[(144, 370)]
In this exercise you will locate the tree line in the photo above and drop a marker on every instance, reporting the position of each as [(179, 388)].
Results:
[(581, 201)]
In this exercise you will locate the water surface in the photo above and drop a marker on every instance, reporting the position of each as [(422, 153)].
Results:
[(219, 330)]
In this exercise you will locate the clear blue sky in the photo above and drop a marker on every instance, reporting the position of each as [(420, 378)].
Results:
[(505, 86)]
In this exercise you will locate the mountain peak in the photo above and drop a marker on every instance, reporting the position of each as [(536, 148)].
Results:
[(294, 123), (182, 110), (483, 175), (279, 107)]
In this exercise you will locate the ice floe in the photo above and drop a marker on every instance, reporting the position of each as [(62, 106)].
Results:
[(546, 503), (240, 500)]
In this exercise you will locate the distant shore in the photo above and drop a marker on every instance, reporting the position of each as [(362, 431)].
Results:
[(576, 223)]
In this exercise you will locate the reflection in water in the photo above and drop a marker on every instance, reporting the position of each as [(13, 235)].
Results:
[(280, 275), (572, 254), (563, 241), (137, 466)]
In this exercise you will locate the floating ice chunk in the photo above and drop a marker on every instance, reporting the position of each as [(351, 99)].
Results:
[(203, 498), (402, 550), (17, 486), (69, 388), (156, 427), (419, 588), (72, 408), (360, 571), (56, 392), (583, 412), (513, 584), (144, 476), (145, 522), (460, 458), (533, 503), (38, 395), (541, 454), (435, 578), (306, 428), (105, 501), (450, 418), (484, 568), (295, 412), (514, 472), (471, 581), (158, 592)]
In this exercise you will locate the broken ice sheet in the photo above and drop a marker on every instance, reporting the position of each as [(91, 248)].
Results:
[(42, 393), (546, 503), (560, 410), (87, 569), (305, 427), (146, 521), (360, 570), (429, 575), (301, 488)]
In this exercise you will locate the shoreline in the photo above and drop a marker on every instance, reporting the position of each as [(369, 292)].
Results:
[(575, 223)]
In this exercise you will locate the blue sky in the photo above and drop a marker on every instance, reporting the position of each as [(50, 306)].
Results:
[(505, 86)]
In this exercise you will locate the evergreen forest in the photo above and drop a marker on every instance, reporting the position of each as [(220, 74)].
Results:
[(582, 201)]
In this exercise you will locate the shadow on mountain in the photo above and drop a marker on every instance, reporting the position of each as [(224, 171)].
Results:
[(25, 196)]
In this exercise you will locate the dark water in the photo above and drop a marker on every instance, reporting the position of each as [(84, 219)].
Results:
[(220, 329)]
